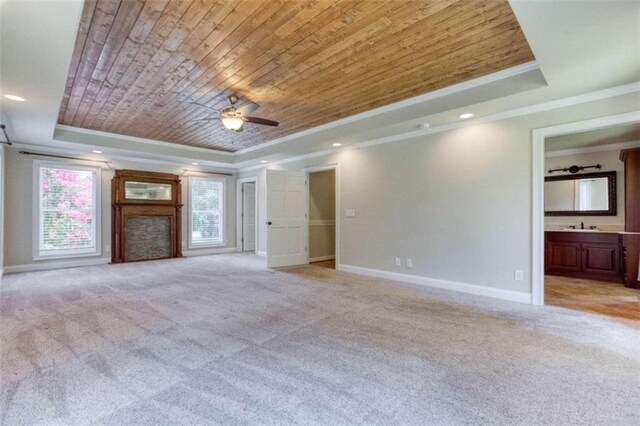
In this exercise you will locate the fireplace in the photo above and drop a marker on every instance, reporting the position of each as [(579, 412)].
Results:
[(146, 216)]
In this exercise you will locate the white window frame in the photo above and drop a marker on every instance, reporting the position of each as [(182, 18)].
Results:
[(37, 214), (223, 216)]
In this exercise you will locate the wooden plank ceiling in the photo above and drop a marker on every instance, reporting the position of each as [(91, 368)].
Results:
[(138, 65)]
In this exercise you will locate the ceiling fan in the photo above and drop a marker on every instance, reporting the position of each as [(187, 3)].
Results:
[(233, 117)]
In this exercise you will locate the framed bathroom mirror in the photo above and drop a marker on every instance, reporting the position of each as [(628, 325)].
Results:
[(588, 194)]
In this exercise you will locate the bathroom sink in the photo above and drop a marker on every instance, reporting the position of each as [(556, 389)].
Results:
[(581, 230)]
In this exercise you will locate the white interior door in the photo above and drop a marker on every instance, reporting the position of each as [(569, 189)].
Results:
[(286, 218), (248, 216)]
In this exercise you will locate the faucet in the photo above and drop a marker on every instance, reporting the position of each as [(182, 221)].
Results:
[(581, 225)]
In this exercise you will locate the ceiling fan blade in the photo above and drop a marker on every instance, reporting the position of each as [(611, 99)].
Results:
[(205, 106), (206, 119), (262, 121), (248, 108)]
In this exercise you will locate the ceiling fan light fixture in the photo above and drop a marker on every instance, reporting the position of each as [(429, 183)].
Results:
[(232, 123)]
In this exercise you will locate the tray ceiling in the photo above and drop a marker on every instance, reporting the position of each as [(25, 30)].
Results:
[(137, 66)]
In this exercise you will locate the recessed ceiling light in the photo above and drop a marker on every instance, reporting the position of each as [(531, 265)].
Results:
[(337, 144), (466, 115), (196, 164), (95, 151), (15, 98), (263, 161)]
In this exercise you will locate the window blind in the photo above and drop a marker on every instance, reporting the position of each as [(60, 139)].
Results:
[(67, 210), (206, 202)]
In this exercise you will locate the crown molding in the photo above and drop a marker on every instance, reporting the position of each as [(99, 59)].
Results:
[(590, 149), (518, 112), (100, 158)]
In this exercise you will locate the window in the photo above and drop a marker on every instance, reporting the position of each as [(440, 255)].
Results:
[(67, 206), (206, 222)]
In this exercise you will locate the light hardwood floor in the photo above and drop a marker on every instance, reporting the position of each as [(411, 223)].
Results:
[(600, 297), (331, 264)]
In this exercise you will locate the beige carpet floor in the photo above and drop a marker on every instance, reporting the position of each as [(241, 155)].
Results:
[(222, 339)]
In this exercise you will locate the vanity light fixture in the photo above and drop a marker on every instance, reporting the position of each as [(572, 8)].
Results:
[(337, 144), (15, 98), (95, 151), (466, 115)]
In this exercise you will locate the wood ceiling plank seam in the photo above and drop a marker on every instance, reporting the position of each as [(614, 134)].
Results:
[(395, 72), (336, 31), (162, 29), (255, 32), (390, 62), (183, 68), (164, 23), (394, 96), (198, 98), (349, 12), (394, 91), (163, 60), (332, 107), (388, 43), (103, 16), (118, 34), (236, 18), (170, 108), (237, 53), (149, 15), (86, 17), (380, 62), (170, 65), (526, 58)]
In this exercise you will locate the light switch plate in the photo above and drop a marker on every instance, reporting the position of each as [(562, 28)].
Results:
[(518, 275), (409, 263), (350, 212), (398, 261)]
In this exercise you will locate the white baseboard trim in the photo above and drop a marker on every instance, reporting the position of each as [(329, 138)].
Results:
[(261, 253), (55, 265), (321, 258), (205, 252), (496, 293)]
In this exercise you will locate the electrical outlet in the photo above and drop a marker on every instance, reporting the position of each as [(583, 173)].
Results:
[(409, 263), (398, 261), (518, 275), (350, 212)]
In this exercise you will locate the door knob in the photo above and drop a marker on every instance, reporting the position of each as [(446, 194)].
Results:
[(269, 223)]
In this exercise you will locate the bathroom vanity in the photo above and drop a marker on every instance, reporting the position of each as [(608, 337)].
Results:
[(583, 253)]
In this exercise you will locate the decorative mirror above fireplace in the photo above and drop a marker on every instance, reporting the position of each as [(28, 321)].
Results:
[(588, 194)]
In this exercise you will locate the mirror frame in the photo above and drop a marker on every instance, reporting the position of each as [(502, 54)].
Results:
[(613, 205)]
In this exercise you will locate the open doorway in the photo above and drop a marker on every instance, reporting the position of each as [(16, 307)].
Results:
[(247, 206), (590, 220), (322, 218)]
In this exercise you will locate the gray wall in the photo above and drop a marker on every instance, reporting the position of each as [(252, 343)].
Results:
[(458, 203), (19, 207), (322, 214)]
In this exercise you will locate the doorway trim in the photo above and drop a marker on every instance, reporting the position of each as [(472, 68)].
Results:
[(322, 168), (537, 222), (239, 211)]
